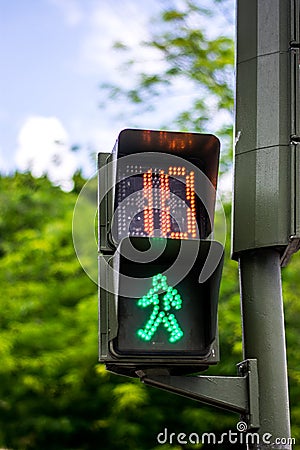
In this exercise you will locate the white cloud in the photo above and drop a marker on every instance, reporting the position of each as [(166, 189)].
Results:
[(123, 21), (43, 148)]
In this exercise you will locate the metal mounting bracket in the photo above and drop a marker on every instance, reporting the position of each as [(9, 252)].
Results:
[(238, 394)]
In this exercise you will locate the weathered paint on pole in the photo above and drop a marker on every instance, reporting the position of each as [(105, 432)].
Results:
[(264, 229)]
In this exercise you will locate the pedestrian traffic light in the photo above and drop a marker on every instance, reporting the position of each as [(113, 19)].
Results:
[(156, 208)]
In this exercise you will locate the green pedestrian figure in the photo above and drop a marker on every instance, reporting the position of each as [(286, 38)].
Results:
[(161, 310)]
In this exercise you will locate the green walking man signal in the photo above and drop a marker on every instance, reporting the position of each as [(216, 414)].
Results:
[(171, 299)]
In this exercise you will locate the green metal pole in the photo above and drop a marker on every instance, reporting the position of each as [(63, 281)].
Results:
[(264, 339), (263, 216)]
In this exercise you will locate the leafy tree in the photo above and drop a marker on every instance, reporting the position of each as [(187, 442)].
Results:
[(185, 56), (46, 306)]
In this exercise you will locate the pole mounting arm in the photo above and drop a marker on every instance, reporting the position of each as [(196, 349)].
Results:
[(238, 394)]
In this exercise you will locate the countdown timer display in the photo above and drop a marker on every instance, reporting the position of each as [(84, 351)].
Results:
[(152, 202), (165, 185)]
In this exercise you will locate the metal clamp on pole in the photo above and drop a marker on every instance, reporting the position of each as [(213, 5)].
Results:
[(248, 369), (294, 45), (238, 394)]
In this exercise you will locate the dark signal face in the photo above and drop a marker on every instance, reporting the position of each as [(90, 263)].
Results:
[(156, 202), (165, 315)]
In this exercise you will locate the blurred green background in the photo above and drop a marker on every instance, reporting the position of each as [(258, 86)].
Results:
[(53, 392), (54, 395)]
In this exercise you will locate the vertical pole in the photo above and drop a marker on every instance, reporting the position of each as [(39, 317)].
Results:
[(263, 199), (264, 339)]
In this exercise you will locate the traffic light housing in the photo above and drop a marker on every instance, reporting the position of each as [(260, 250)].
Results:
[(156, 208)]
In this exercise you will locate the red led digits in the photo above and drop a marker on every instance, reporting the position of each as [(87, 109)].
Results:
[(165, 206), (191, 204), (165, 220), (148, 211), (191, 212)]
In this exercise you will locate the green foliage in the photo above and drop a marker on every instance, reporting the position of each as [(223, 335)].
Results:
[(291, 294), (53, 393), (46, 306)]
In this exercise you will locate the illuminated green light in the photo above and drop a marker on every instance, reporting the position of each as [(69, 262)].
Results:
[(160, 314)]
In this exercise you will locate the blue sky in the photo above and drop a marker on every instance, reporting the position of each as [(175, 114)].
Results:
[(54, 55)]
